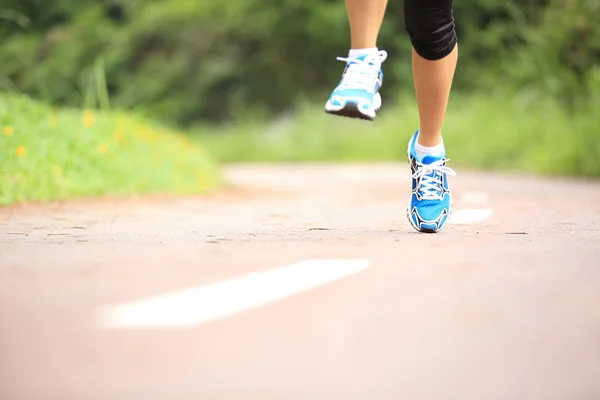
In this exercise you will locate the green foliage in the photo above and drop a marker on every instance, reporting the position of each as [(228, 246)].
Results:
[(480, 131), (51, 153), (561, 59), (186, 61)]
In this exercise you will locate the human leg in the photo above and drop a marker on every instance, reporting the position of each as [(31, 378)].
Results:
[(357, 94), (430, 24)]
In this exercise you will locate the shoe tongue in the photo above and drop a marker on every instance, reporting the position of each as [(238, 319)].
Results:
[(428, 159), (362, 58)]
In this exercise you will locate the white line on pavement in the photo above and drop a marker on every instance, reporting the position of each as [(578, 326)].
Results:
[(210, 302), (465, 217)]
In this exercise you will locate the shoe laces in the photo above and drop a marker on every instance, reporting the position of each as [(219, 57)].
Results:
[(362, 72), (429, 178)]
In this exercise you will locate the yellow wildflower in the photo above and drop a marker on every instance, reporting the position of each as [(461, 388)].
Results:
[(118, 135), (88, 118), (57, 169), (102, 148), (53, 121), (21, 151), (8, 130)]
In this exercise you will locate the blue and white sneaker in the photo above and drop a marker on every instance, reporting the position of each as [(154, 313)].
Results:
[(357, 94), (430, 203)]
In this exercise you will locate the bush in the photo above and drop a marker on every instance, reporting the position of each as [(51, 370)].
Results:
[(188, 61), (51, 153)]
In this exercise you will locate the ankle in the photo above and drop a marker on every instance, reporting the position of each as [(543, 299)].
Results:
[(428, 149), (430, 138)]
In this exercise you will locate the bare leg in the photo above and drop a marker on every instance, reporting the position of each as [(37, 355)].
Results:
[(365, 17), (433, 81)]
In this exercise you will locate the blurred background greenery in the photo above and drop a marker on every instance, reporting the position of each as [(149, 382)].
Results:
[(249, 78)]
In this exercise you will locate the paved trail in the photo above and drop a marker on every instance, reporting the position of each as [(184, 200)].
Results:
[(503, 304)]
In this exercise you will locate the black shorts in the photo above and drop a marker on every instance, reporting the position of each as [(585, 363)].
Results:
[(430, 25)]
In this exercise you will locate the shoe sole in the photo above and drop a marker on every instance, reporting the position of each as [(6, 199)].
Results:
[(351, 110)]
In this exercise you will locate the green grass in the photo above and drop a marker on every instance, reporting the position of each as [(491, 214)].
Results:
[(48, 154), (514, 134)]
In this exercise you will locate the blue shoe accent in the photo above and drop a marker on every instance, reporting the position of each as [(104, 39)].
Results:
[(430, 203), (357, 94)]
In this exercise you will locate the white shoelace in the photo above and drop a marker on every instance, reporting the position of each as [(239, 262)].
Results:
[(361, 74), (430, 181)]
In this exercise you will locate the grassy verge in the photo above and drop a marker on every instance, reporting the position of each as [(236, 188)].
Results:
[(50, 154), (480, 132)]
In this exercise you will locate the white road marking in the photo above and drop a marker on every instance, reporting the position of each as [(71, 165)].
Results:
[(465, 217), (207, 303)]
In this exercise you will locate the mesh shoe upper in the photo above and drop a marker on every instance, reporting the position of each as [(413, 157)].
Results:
[(431, 201)]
